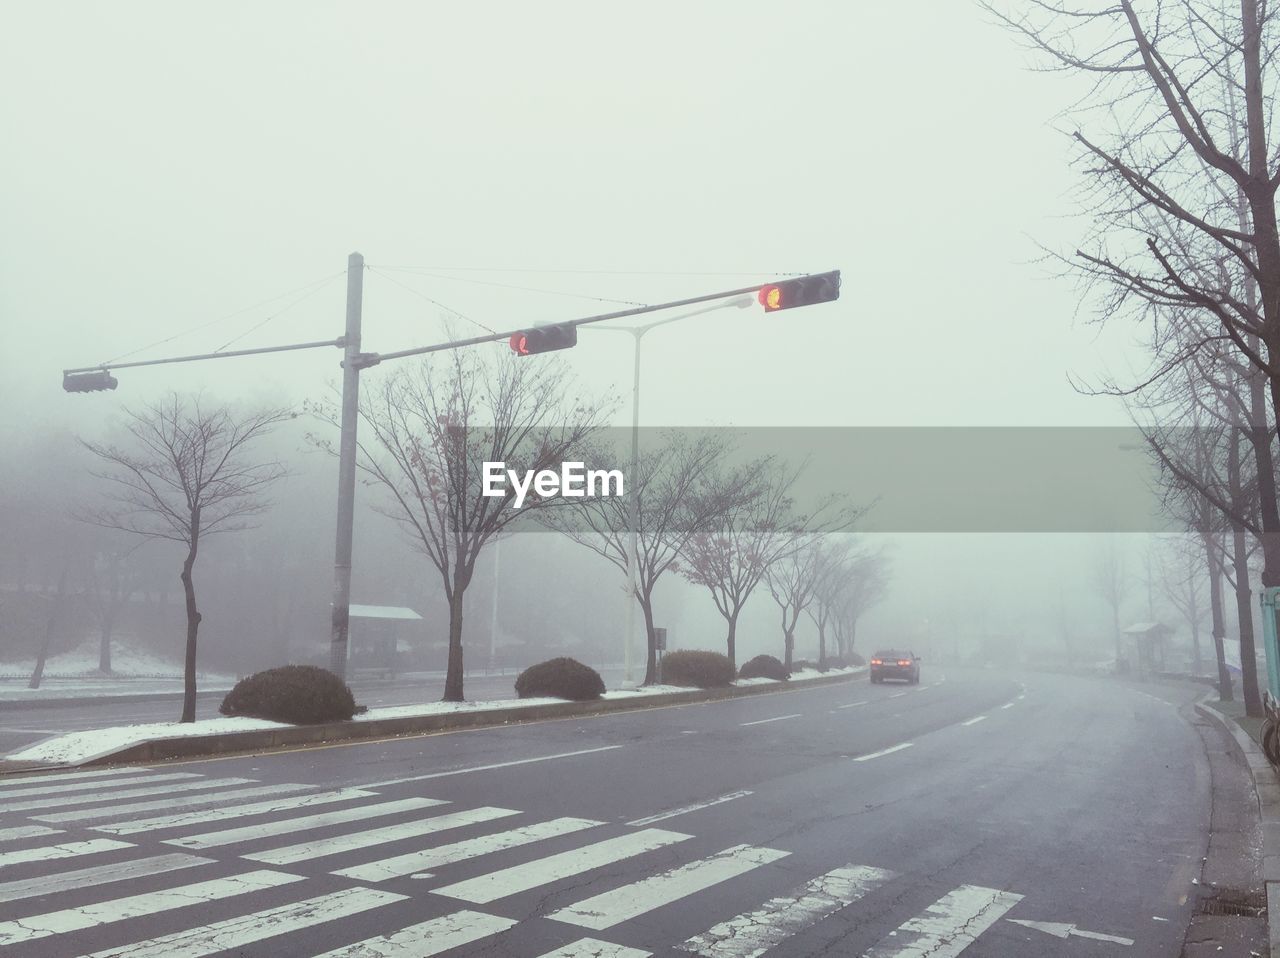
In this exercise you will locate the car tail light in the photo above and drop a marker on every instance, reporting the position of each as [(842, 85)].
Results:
[(876, 662), (904, 661)]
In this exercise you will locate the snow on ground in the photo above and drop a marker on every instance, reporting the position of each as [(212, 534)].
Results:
[(77, 747), (126, 660)]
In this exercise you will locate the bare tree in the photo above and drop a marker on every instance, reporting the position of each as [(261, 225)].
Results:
[(1183, 174), (683, 491), (1184, 584), (760, 530), (112, 582), (430, 429), (184, 475), (866, 584), (793, 584)]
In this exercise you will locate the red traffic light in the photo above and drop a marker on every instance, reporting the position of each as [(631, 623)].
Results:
[(544, 339), (805, 291), (771, 298)]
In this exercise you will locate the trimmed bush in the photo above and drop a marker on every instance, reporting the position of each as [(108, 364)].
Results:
[(701, 670), (806, 664), (298, 694), (764, 667), (856, 659), (561, 678)]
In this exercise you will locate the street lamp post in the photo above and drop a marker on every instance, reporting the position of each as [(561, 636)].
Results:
[(633, 508)]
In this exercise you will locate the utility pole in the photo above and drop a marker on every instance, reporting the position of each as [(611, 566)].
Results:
[(347, 468)]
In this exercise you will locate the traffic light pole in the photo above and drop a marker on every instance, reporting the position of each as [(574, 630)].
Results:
[(351, 365)]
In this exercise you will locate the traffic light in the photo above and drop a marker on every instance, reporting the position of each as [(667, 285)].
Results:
[(805, 291), (88, 382), (543, 339)]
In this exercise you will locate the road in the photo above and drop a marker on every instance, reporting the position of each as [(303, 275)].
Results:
[(978, 814)]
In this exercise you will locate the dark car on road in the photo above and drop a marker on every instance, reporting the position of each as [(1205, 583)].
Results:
[(895, 664)]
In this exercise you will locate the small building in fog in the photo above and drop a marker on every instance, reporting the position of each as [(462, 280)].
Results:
[(1144, 646), (374, 637)]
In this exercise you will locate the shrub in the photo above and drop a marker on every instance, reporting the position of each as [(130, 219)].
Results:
[(764, 667), (702, 670), (561, 678), (298, 694), (856, 659), (806, 664)]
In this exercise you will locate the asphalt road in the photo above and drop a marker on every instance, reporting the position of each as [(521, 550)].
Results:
[(883, 821)]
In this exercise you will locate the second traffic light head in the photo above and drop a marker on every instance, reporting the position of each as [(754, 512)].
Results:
[(88, 382), (544, 339), (805, 291)]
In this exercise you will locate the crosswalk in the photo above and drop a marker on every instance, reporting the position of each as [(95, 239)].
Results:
[(229, 864)]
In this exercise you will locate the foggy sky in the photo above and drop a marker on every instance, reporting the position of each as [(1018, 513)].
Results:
[(168, 166)]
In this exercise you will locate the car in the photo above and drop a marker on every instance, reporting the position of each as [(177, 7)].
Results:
[(895, 664)]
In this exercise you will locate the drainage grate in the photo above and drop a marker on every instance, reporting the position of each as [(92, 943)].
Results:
[(1229, 901)]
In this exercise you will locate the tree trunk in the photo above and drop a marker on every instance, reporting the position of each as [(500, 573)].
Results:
[(1219, 625), (732, 641), (822, 645), (1244, 613), (651, 660), (454, 674), (104, 639), (789, 643), (50, 624), (853, 631), (193, 624)]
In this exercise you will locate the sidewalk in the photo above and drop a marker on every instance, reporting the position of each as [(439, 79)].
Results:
[(1239, 906)]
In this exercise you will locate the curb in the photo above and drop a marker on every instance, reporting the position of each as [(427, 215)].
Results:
[(257, 740), (1266, 786)]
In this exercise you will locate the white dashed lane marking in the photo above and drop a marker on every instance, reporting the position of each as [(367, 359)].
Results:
[(884, 751)]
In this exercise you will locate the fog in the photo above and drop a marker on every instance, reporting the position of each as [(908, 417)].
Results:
[(182, 182)]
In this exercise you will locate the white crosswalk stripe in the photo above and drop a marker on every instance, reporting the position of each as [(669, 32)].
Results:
[(257, 926), (172, 804), (166, 788), (752, 934), (19, 832), (53, 788), (509, 881), (98, 875), (323, 847), (56, 777), (621, 904), (594, 948), (46, 853), (948, 926), (136, 906), (245, 833), (428, 938), (419, 862), (181, 820)]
